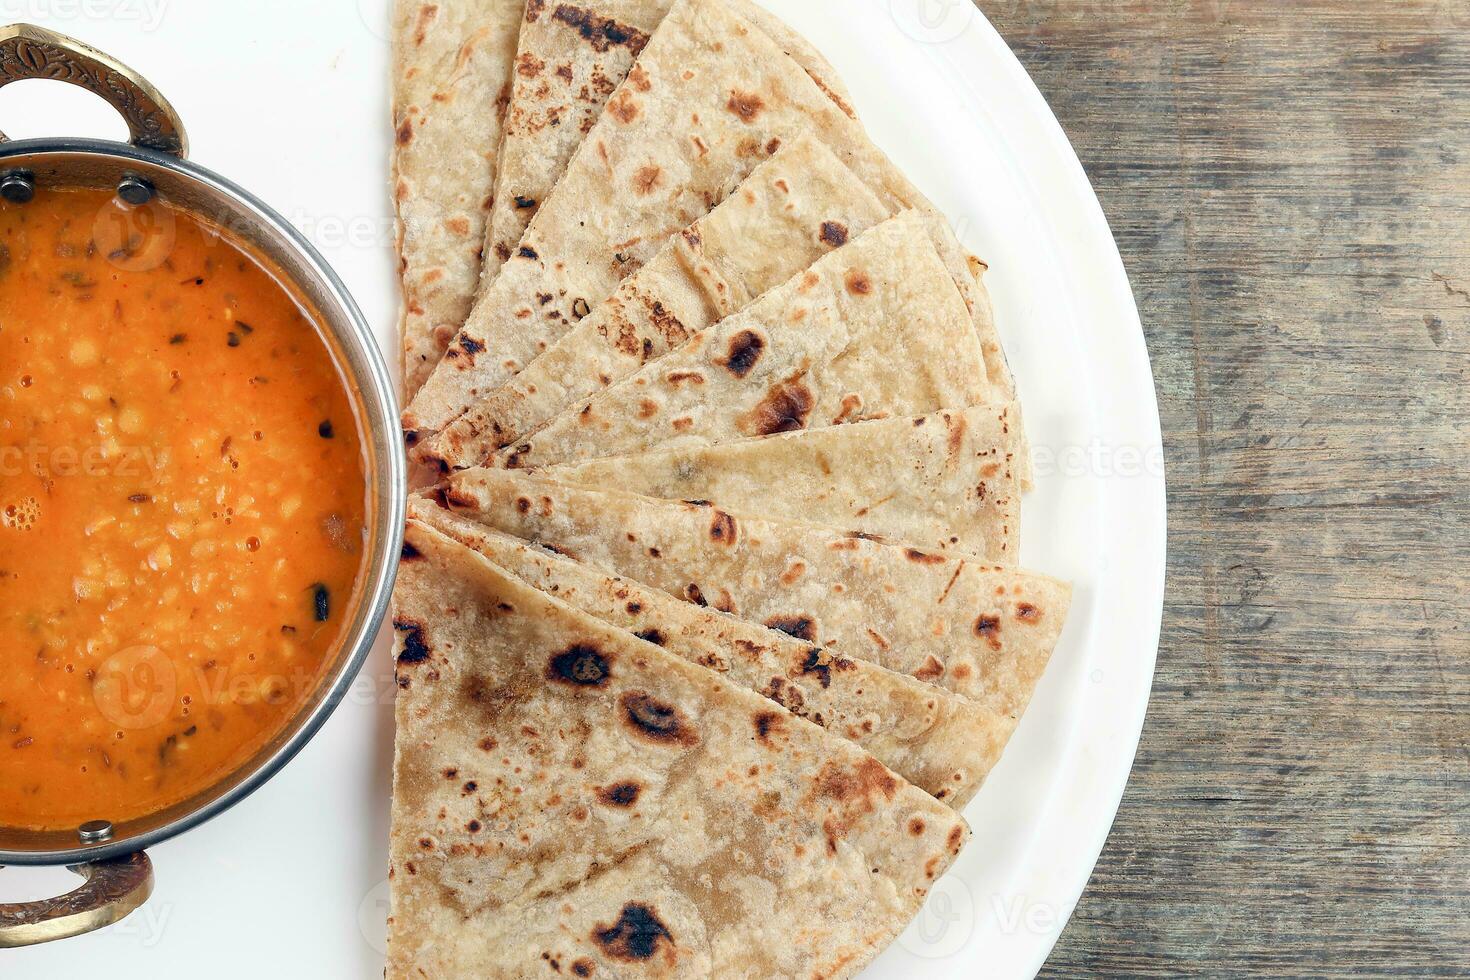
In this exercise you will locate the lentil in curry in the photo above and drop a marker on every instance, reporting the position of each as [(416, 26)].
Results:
[(182, 507)]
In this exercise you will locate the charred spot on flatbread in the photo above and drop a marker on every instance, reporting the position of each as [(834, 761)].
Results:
[(957, 426), (581, 665), (723, 529), (858, 283), (824, 665), (746, 348), (655, 720), (601, 33), (815, 664), (637, 935), (667, 323), (834, 233), (656, 637), (620, 795), (768, 723), (859, 784), (988, 629), (415, 647), (932, 670), (624, 106), (801, 627), (786, 407), (856, 790), (747, 105)]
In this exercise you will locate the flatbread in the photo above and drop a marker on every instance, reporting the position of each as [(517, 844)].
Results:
[(942, 482), (942, 743), (570, 59), (451, 78), (875, 329), (710, 98), (570, 798), (793, 209), (981, 631)]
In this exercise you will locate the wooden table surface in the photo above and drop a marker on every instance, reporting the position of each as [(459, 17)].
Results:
[(1289, 181)]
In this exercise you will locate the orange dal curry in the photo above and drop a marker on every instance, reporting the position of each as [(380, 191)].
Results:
[(182, 500)]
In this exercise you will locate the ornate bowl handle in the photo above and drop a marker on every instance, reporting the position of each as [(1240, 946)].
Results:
[(111, 892), (34, 52)]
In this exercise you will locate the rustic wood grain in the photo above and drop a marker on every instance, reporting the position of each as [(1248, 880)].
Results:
[(1290, 186)]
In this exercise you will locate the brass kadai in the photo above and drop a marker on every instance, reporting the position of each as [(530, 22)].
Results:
[(118, 876), (34, 52), (113, 891)]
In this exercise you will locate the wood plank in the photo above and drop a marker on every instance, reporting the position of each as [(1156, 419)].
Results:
[(1290, 186)]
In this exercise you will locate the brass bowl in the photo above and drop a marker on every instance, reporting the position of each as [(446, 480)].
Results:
[(110, 856)]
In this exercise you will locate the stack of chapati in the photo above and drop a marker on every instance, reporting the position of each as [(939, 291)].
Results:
[(708, 620)]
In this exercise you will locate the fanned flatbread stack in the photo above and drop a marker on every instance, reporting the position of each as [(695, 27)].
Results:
[(980, 630), (716, 610), (944, 482), (876, 329), (710, 98), (569, 60), (940, 742), (793, 209), (568, 794), (451, 77)]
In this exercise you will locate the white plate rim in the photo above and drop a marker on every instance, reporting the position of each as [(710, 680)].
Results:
[(1091, 251), (1088, 237), (1102, 744)]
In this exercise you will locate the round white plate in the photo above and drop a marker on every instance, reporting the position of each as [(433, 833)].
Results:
[(291, 98)]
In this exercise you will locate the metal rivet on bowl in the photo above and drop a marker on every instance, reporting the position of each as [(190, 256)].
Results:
[(18, 187), (135, 190), (95, 831)]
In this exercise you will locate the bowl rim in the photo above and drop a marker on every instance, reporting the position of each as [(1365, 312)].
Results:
[(380, 401)]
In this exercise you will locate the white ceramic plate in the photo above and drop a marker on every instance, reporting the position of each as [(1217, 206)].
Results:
[(290, 99)]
